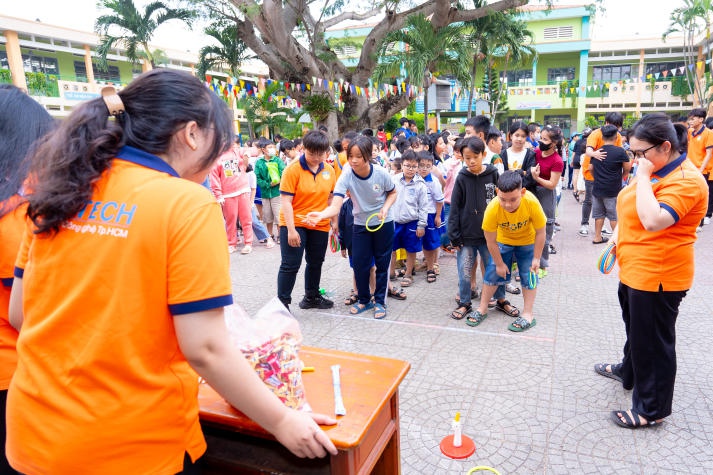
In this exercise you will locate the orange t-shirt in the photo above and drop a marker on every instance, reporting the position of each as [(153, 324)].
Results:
[(596, 141), (648, 259), (698, 144), (101, 383), (339, 163), (12, 226), (309, 191)]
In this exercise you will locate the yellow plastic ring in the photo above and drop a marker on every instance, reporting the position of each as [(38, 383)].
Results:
[(373, 230), (483, 468)]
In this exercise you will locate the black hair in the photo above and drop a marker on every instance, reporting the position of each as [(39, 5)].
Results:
[(426, 140), (532, 127), (264, 142), (682, 119), (367, 132), (493, 133), (519, 125), (510, 180), (365, 146), (298, 142), (316, 141), (657, 128), (410, 156), (698, 112), (402, 145), (323, 128), (555, 134), (286, 145), (614, 118), (157, 105), (609, 132), (414, 140), (337, 146), (380, 128), (458, 145), (23, 121), (480, 124), (349, 136), (474, 144), (376, 142), (424, 156), (403, 120), (709, 123)]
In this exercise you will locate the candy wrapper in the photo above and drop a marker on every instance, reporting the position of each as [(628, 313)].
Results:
[(270, 342)]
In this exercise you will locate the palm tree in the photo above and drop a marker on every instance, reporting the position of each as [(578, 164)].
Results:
[(427, 51), (134, 28), (497, 33), (264, 110), (228, 54), (690, 20)]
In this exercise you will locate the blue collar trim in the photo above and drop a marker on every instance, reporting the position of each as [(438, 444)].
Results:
[(303, 164), (145, 159), (671, 166), (700, 131)]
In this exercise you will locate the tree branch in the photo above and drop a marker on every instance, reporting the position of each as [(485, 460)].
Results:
[(344, 16)]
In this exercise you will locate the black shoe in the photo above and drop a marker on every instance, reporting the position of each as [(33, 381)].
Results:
[(316, 302)]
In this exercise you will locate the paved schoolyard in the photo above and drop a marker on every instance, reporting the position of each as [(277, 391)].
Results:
[(531, 401)]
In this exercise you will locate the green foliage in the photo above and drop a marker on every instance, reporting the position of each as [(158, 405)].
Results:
[(230, 52), (571, 90), (265, 110), (5, 76), (680, 87), (136, 28), (591, 122), (629, 121), (318, 106), (391, 125), (41, 84)]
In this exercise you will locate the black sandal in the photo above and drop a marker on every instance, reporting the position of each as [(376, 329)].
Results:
[(397, 294), (352, 299), (458, 314), (430, 276)]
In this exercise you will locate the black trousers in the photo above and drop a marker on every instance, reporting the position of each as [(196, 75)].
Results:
[(649, 363), (313, 244)]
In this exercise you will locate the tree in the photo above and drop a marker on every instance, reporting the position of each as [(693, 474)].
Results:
[(690, 20), (426, 51), (290, 37), (133, 28), (496, 34), (264, 110), (228, 54)]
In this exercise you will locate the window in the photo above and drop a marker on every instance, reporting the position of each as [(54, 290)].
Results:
[(564, 122), (110, 75), (33, 63), (615, 72), (558, 32), (654, 68), (522, 77), (556, 75)]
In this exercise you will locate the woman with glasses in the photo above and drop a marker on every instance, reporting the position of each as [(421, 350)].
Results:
[(658, 215)]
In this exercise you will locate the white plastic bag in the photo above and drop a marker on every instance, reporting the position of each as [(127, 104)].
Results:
[(270, 342), (580, 181)]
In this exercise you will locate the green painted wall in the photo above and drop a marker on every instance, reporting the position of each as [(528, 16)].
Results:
[(538, 29), (556, 60)]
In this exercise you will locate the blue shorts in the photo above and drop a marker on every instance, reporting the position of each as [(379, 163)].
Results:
[(521, 254), (432, 238), (405, 237)]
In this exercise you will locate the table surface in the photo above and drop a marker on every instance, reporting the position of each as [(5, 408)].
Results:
[(368, 383)]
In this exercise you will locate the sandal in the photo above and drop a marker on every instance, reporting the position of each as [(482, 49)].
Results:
[(601, 368), (430, 276), (437, 268), (475, 318), (406, 281), (352, 299), (397, 294), (379, 311), (458, 314), (513, 289), (358, 308), (399, 273), (520, 325), (503, 307), (631, 419), (604, 239), (576, 196), (474, 295)]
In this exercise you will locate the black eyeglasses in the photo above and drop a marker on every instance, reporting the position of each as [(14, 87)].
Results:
[(641, 153)]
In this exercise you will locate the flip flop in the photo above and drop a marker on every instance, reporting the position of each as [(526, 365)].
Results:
[(604, 239), (379, 311), (520, 325), (475, 318), (358, 308)]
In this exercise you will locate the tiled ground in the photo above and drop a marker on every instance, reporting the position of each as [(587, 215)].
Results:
[(530, 401)]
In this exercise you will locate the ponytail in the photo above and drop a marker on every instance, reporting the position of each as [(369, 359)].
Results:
[(66, 166)]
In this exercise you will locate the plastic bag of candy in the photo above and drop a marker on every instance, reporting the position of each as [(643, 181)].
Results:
[(270, 342)]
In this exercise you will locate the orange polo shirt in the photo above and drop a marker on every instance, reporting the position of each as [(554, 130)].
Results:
[(648, 259), (596, 141), (699, 142), (101, 384), (12, 225), (309, 191)]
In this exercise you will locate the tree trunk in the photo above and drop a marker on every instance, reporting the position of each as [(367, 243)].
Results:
[(425, 105), (471, 92)]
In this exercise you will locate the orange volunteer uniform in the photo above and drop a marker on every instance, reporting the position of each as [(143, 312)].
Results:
[(12, 226), (648, 259), (699, 142), (101, 385), (309, 191), (596, 141)]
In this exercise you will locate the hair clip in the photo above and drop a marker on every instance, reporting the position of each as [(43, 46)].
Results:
[(112, 100)]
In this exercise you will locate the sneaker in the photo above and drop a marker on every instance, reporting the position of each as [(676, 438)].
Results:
[(552, 249), (699, 229), (558, 226), (232, 249), (316, 302), (584, 230), (269, 243), (706, 220), (247, 249), (604, 231)]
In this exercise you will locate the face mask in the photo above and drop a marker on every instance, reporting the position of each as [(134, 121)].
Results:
[(545, 146)]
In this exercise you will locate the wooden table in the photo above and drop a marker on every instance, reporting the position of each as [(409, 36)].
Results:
[(367, 437)]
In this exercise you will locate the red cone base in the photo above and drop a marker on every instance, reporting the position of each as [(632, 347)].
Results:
[(466, 449)]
